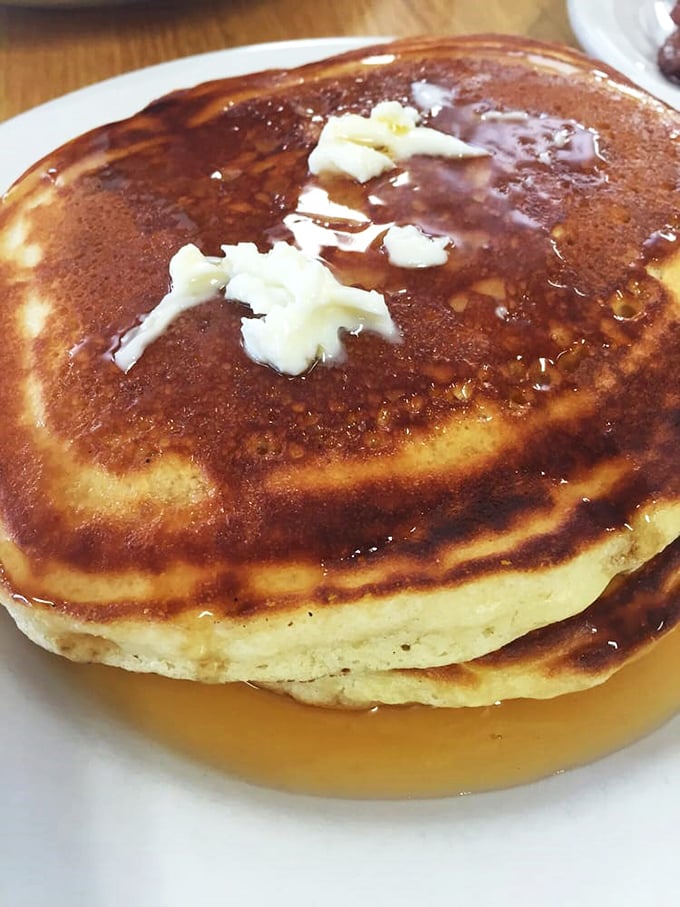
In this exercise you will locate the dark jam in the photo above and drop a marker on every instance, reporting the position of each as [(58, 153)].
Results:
[(668, 56)]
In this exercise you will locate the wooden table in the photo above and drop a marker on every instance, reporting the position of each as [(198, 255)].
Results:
[(47, 52)]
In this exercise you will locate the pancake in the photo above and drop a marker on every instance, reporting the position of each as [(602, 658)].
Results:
[(630, 616), (418, 504)]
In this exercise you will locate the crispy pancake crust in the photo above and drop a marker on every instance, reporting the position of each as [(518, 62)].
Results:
[(419, 505)]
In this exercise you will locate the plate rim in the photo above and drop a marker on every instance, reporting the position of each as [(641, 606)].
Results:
[(444, 832)]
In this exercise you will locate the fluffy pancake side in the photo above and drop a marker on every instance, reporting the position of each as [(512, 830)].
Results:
[(631, 615), (416, 506)]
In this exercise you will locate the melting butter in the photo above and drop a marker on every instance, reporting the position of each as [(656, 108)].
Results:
[(409, 247), (512, 116), (195, 278), (302, 305), (365, 147)]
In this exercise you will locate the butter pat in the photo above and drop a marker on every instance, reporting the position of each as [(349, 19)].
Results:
[(302, 306), (195, 278), (365, 147), (512, 116), (409, 247)]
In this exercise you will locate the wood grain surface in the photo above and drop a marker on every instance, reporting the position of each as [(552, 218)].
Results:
[(47, 51)]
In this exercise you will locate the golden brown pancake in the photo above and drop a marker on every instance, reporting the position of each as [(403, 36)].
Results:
[(630, 616), (418, 505)]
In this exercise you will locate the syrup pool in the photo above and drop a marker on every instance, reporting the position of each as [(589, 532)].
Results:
[(405, 752)]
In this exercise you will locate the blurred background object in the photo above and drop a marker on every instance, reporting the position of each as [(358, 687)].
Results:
[(46, 52)]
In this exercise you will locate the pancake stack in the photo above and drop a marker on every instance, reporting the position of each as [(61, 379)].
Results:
[(488, 508)]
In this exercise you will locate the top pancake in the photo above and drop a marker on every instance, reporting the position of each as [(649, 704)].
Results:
[(419, 504)]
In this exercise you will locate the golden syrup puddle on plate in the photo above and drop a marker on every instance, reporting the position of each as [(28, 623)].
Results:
[(390, 752)]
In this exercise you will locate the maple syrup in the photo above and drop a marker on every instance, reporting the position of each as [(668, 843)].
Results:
[(391, 752)]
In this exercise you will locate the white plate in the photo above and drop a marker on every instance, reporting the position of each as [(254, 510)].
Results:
[(93, 813), (627, 34)]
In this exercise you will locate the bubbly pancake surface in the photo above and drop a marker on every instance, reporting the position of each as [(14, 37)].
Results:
[(421, 504)]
